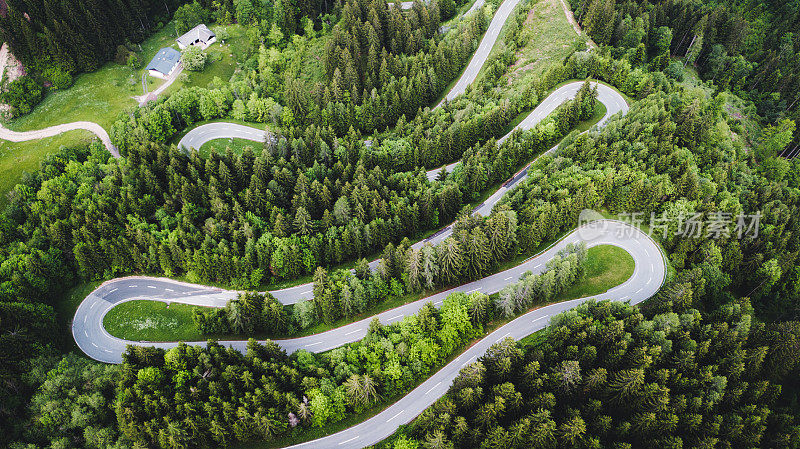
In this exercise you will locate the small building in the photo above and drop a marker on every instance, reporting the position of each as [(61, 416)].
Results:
[(164, 63), (199, 35)]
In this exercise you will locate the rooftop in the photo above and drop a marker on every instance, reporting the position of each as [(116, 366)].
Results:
[(198, 33), (165, 60)]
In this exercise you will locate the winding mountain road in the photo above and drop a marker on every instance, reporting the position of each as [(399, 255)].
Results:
[(648, 276), (649, 271), (93, 339), (15, 136)]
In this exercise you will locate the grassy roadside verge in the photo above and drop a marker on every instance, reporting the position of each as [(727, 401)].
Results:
[(143, 320), (222, 145), (17, 158)]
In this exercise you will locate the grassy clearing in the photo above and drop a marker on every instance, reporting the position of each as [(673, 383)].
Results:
[(19, 157), (606, 267), (222, 60), (100, 97), (222, 145), (548, 37), (143, 320)]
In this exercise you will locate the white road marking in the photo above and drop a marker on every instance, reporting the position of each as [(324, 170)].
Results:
[(637, 291), (95, 345), (353, 332), (131, 286), (307, 291), (312, 344), (508, 278), (540, 318), (151, 286), (433, 388), (468, 361), (112, 291), (437, 302), (168, 290), (84, 319), (396, 317), (395, 416), (504, 336), (85, 332), (351, 439), (475, 290)]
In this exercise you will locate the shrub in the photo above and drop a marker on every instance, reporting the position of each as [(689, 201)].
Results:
[(133, 61), (675, 71), (59, 79), (194, 59), (22, 95)]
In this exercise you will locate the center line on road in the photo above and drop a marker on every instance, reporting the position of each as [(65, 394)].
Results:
[(395, 416), (151, 286), (112, 291), (637, 291), (395, 317), (433, 388), (437, 302), (508, 278), (312, 344), (307, 291), (351, 439), (168, 290), (353, 332), (504, 336), (95, 345), (131, 286), (475, 290), (540, 318)]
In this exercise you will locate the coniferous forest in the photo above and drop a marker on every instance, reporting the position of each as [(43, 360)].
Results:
[(712, 360)]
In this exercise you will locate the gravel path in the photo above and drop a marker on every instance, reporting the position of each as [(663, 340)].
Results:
[(15, 136)]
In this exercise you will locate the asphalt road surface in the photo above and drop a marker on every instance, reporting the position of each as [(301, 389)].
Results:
[(220, 130), (647, 278), (484, 48), (611, 99), (96, 342)]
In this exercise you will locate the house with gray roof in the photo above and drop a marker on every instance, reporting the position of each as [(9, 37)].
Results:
[(164, 63), (199, 35)]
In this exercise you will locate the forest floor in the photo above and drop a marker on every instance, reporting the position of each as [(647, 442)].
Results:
[(100, 97)]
